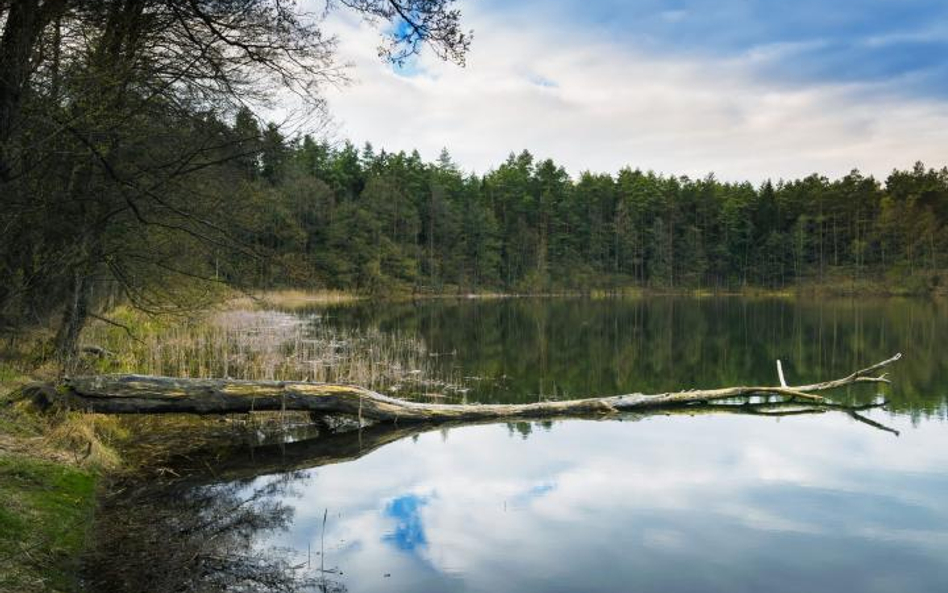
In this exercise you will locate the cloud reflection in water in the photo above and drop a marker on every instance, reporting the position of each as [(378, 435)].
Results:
[(664, 504)]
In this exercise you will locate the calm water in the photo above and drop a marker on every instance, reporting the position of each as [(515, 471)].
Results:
[(704, 502)]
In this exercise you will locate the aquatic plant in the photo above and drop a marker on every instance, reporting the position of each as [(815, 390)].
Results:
[(260, 344)]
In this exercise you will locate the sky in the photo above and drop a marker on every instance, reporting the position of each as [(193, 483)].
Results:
[(746, 89)]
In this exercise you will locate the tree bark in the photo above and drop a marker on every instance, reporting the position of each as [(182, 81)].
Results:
[(138, 394), (75, 315)]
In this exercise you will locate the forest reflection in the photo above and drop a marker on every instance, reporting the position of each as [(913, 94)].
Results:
[(518, 350), (166, 536), (246, 517)]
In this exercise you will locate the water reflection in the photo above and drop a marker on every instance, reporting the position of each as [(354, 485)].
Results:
[(521, 350), (409, 532), (168, 536), (700, 502), (717, 503), (709, 499)]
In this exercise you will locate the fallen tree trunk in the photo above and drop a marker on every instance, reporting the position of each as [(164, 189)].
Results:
[(138, 394)]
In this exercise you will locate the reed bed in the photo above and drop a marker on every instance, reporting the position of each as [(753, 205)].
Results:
[(272, 345), (292, 299)]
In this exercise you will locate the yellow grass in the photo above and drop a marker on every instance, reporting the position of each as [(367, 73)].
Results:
[(304, 298), (266, 344)]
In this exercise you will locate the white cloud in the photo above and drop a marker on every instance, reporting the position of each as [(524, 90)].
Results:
[(634, 497), (603, 107)]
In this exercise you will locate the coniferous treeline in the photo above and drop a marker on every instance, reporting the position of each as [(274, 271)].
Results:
[(376, 221)]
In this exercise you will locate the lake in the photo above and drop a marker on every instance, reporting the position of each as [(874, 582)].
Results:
[(702, 501)]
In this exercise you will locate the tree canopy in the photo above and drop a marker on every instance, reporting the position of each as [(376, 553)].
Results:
[(126, 131), (376, 222), (133, 167)]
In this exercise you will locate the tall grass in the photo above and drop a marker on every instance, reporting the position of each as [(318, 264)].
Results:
[(269, 345), (306, 298)]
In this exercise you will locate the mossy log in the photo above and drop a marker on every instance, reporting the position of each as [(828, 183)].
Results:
[(138, 394)]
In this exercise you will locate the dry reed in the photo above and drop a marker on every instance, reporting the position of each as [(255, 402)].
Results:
[(272, 345)]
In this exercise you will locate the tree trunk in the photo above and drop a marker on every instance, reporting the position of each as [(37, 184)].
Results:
[(24, 25), (137, 394), (75, 315)]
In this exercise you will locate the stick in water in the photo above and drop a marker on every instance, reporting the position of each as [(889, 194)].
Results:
[(322, 549), (783, 382)]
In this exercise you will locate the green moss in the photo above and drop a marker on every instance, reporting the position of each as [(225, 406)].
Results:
[(45, 508)]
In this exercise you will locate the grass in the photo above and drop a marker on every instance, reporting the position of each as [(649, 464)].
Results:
[(263, 344), (292, 299), (10, 376), (49, 468), (46, 507)]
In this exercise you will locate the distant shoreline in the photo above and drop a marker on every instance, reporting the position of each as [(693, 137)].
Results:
[(303, 298)]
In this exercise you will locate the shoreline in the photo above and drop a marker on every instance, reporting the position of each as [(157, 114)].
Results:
[(48, 495), (52, 469), (806, 291)]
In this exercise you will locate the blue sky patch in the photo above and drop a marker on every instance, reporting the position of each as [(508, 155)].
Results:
[(902, 42), (409, 533)]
